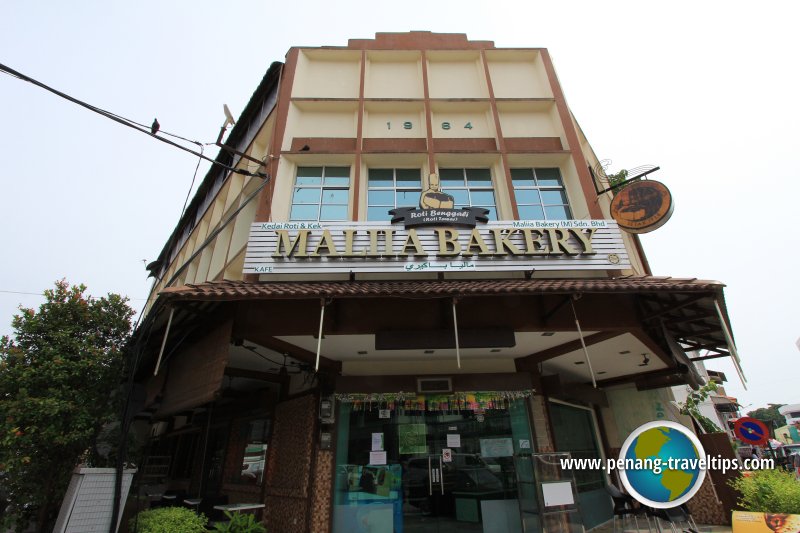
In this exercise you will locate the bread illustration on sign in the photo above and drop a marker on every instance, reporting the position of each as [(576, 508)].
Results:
[(433, 197)]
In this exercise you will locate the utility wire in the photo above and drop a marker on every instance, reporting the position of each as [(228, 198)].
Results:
[(194, 177), (126, 122), (2, 291)]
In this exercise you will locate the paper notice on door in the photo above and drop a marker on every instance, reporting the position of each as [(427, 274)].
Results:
[(377, 442), (503, 447), (524, 444), (447, 455), (557, 494), (377, 458), (454, 440)]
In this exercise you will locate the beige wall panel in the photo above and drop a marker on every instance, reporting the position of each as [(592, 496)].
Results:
[(200, 233), (435, 366), (282, 194), (327, 74), (456, 75), (517, 74), (241, 226), (462, 120), (205, 262), (385, 78), (516, 122), (392, 119), (236, 182), (233, 271), (191, 270), (320, 119), (577, 202), (220, 252)]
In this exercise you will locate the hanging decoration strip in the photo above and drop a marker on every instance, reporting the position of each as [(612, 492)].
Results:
[(478, 401)]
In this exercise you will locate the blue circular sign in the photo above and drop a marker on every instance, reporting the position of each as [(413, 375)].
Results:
[(751, 431)]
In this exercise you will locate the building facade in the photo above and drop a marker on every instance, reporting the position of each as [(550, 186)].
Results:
[(399, 286)]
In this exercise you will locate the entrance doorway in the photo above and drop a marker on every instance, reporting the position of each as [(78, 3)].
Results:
[(429, 470)]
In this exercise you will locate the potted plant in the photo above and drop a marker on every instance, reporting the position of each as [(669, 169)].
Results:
[(168, 520)]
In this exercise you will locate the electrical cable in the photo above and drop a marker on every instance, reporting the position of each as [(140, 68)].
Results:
[(126, 122), (189, 192)]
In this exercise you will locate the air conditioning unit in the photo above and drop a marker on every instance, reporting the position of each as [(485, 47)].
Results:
[(434, 385), (159, 428)]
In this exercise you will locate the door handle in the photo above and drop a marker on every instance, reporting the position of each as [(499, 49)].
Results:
[(441, 475), (430, 478)]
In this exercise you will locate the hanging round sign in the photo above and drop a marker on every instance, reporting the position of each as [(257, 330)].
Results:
[(751, 431), (642, 206)]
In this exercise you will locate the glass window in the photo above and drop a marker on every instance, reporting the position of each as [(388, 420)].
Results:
[(470, 187), (540, 194), (388, 188), (321, 193), (254, 437)]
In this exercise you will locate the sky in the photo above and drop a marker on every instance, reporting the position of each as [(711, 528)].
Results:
[(708, 91)]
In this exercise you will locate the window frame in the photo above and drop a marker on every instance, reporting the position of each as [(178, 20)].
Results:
[(516, 187), (394, 188), (322, 187), (493, 209)]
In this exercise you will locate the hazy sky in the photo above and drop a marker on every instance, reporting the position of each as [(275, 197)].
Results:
[(707, 90)]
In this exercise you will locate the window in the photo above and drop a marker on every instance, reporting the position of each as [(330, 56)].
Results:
[(253, 438), (388, 188), (321, 193), (540, 194), (470, 187)]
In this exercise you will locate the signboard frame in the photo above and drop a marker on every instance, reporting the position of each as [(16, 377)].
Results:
[(515, 245)]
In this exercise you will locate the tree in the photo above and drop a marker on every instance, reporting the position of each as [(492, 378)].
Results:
[(58, 381), (770, 415)]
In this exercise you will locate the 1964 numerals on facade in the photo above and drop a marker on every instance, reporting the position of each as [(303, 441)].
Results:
[(408, 125)]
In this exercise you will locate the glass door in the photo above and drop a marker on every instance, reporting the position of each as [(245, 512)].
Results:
[(429, 470)]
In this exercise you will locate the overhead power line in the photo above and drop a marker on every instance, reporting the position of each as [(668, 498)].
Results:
[(129, 123)]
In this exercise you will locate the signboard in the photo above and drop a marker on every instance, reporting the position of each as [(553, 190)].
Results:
[(503, 447), (749, 522), (751, 431), (642, 206), (527, 245)]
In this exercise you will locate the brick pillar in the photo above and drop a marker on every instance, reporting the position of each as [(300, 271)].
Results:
[(322, 497), (541, 424)]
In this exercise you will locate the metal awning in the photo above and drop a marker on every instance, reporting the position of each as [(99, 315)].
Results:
[(687, 314)]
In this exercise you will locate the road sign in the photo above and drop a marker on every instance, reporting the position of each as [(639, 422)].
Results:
[(751, 431)]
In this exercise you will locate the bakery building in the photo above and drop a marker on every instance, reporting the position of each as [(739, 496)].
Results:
[(400, 288)]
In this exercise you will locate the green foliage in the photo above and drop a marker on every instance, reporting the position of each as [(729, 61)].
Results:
[(691, 407), (58, 378), (616, 179), (769, 415), (769, 491), (168, 520), (239, 523)]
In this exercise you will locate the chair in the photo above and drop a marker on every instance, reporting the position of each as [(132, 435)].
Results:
[(676, 515), (625, 507)]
